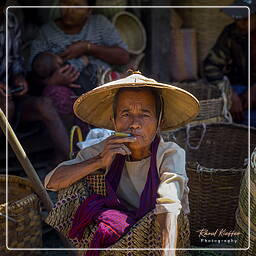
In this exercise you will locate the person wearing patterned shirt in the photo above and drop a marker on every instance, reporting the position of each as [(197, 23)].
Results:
[(29, 108), (229, 57), (86, 42)]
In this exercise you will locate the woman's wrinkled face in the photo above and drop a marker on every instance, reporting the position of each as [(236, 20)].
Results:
[(74, 16), (136, 114)]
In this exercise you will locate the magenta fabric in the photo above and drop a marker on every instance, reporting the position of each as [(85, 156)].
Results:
[(109, 212), (62, 98)]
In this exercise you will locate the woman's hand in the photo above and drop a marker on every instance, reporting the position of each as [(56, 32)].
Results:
[(20, 81), (75, 50), (64, 76), (114, 145)]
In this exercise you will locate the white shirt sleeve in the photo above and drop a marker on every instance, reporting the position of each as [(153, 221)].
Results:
[(173, 180)]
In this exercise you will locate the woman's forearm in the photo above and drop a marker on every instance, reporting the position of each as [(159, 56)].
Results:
[(169, 232), (112, 55), (66, 175)]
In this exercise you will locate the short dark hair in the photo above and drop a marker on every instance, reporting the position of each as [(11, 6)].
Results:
[(43, 65), (158, 99)]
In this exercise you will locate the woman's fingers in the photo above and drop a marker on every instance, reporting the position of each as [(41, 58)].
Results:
[(116, 139), (120, 146), (119, 150), (74, 85)]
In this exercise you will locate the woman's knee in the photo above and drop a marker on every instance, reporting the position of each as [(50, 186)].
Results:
[(62, 97), (45, 107)]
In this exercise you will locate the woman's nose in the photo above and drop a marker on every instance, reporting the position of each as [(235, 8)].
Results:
[(135, 123)]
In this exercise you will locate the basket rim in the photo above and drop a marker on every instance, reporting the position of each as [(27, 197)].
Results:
[(140, 25), (25, 201)]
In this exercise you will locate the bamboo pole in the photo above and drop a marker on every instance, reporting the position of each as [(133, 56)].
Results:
[(29, 170), (25, 162)]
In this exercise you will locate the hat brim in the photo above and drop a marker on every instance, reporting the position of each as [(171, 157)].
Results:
[(95, 106)]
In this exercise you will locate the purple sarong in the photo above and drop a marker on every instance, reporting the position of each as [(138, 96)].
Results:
[(110, 214)]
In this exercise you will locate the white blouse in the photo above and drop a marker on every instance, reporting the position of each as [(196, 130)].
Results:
[(173, 189)]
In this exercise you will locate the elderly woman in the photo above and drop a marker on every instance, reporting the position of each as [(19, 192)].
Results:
[(86, 43), (142, 172)]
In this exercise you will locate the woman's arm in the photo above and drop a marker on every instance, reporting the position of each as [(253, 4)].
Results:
[(110, 54), (66, 175), (169, 231)]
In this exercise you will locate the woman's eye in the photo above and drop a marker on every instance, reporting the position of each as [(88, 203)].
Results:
[(125, 115)]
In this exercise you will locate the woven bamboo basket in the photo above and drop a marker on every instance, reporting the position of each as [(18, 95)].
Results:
[(216, 159), (208, 22), (214, 103), (24, 221), (144, 234), (98, 185), (110, 12), (131, 31), (242, 219)]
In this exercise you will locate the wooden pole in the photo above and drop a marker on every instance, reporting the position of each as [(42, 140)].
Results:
[(29, 170), (25, 162)]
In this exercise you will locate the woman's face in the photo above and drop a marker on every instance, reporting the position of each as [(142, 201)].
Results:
[(74, 16), (136, 114)]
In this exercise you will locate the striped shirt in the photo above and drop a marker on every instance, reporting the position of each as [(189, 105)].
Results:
[(15, 60), (228, 57), (97, 30)]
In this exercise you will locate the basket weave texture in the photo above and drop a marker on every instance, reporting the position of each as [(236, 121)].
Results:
[(208, 22), (242, 219), (144, 234), (24, 222), (216, 159), (131, 31), (213, 104)]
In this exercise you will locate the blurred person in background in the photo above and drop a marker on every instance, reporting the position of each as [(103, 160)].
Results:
[(21, 105), (86, 43), (229, 57)]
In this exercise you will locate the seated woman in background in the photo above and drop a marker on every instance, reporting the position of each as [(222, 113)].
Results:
[(87, 43), (142, 172)]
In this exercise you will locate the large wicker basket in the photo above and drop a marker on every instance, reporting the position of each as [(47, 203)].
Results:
[(24, 221), (242, 216), (144, 234), (213, 102), (216, 159)]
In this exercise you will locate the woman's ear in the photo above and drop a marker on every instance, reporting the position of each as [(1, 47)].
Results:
[(112, 119), (162, 123)]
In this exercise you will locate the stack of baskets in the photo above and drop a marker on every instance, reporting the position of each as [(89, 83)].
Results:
[(24, 220), (242, 214), (208, 22), (214, 103), (216, 159)]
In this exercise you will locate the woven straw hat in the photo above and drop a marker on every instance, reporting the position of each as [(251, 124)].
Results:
[(95, 106), (131, 31)]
